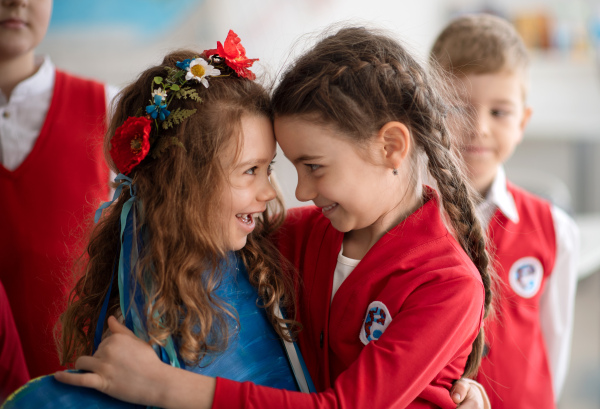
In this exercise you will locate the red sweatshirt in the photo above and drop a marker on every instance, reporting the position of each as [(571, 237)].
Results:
[(515, 372), (44, 203), (416, 292)]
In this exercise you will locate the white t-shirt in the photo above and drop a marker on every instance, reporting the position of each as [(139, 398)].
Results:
[(343, 268)]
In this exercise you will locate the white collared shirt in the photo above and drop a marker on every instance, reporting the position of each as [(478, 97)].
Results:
[(557, 302), (23, 115)]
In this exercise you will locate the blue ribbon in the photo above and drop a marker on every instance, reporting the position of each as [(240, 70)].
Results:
[(102, 317), (131, 298), (132, 191)]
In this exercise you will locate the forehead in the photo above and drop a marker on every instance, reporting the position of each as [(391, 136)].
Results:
[(256, 139), (502, 85), (301, 137)]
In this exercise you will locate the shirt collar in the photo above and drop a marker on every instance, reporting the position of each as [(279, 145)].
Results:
[(500, 197), (40, 82)]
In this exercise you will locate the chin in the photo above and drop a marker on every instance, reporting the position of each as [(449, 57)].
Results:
[(239, 244), (341, 227)]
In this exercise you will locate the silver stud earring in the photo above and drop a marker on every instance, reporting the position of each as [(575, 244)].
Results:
[(395, 172)]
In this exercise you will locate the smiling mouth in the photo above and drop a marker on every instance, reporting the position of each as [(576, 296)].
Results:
[(246, 218), (329, 208)]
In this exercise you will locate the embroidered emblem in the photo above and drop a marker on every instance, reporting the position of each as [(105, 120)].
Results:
[(525, 276), (376, 321)]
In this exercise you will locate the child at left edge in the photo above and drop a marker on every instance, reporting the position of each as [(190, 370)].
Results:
[(13, 371), (51, 171)]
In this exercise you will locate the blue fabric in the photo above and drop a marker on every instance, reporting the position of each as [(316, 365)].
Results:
[(46, 392), (255, 353), (102, 318)]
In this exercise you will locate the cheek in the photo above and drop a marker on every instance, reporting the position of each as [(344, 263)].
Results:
[(41, 16), (240, 198)]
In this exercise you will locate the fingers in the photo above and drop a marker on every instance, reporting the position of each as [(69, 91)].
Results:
[(459, 390), (469, 394), (117, 328), (479, 390), (87, 363), (87, 380), (473, 400)]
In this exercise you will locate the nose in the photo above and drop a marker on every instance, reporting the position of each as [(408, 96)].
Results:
[(267, 192), (482, 126), (305, 190)]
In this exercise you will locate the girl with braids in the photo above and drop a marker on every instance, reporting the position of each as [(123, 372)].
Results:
[(391, 298)]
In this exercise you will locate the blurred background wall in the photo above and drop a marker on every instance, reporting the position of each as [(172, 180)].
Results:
[(113, 40)]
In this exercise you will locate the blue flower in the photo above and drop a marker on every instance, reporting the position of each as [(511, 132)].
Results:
[(184, 65), (158, 109)]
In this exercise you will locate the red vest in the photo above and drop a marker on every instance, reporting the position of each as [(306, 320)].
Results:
[(13, 370), (515, 372), (43, 205)]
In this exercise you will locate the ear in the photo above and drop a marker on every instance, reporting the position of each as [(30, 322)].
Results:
[(524, 121), (395, 139)]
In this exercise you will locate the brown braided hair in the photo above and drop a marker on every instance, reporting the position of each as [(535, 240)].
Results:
[(358, 80)]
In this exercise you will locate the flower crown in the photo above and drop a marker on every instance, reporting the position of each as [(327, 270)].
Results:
[(132, 141)]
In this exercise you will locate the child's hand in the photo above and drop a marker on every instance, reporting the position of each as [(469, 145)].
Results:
[(124, 367), (469, 394)]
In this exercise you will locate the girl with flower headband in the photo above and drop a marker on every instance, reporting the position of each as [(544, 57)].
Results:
[(181, 254), (392, 300)]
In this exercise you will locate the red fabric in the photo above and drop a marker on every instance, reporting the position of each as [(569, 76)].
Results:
[(13, 370), (432, 291), (44, 203), (516, 372)]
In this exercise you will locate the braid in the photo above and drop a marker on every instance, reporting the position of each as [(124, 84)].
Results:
[(360, 80), (456, 195), (457, 202)]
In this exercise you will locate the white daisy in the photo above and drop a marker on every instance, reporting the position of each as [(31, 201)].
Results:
[(160, 92), (200, 69)]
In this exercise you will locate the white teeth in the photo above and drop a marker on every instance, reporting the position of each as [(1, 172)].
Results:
[(331, 206), (245, 217)]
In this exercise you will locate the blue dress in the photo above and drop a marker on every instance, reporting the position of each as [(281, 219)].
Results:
[(255, 353)]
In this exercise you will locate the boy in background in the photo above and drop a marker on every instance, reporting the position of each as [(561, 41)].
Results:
[(534, 243), (52, 175)]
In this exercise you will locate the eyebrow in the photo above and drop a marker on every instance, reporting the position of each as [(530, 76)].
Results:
[(306, 158), (256, 161), (504, 101)]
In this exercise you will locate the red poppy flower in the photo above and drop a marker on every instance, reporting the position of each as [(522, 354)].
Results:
[(130, 144), (235, 55)]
